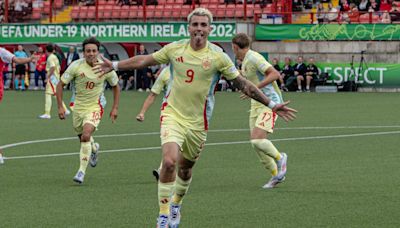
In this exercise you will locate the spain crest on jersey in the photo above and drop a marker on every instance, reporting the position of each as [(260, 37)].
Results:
[(206, 64)]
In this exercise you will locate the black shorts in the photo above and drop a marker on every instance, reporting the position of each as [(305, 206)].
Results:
[(20, 69)]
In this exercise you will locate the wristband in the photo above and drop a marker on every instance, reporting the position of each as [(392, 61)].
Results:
[(115, 65), (271, 104)]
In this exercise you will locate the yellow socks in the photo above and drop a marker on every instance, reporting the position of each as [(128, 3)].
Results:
[(181, 188), (164, 196), (268, 162), (86, 149), (267, 147), (47, 104)]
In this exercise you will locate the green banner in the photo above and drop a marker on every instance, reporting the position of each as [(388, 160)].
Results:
[(107, 32), (328, 32), (365, 75)]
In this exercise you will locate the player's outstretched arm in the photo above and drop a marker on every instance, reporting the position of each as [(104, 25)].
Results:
[(114, 109), (146, 105), (252, 91), (136, 62), (59, 95), (24, 60)]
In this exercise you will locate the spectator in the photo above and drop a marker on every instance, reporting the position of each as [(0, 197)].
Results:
[(72, 56), (20, 69), (374, 6), (143, 76), (311, 72), (385, 18), (321, 13), (354, 14), (275, 64), (344, 6), (364, 6), (287, 74), (300, 72), (394, 13), (297, 5), (385, 6), (332, 13), (40, 69)]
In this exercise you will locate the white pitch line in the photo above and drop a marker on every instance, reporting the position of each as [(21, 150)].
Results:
[(220, 130), (213, 144)]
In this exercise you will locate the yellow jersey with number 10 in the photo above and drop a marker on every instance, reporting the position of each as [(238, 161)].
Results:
[(89, 86)]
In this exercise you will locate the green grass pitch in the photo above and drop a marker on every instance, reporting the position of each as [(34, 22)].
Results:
[(343, 166)]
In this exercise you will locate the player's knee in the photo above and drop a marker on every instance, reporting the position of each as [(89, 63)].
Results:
[(185, 173), (169, 164), (257, 143), (85, 137)]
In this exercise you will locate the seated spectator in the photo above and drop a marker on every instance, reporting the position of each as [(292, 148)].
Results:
[(300, 70), (394, 13), (332, 13), (287, 74), (374, 6), (385, 6), (321, 13), (364, 6), (385, 18), (344, 6), (297, 5), (354, 14), (275, 64), (311, 73)]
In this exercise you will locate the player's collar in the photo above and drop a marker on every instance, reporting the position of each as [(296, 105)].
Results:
[(199, 51)]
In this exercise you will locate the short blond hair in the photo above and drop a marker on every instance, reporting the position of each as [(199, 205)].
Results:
[(201, 12)]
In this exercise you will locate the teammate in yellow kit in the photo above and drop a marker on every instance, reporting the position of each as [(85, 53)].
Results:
[(53, 77), (88, 108), (160, 85), (196, 65), (262, 119)]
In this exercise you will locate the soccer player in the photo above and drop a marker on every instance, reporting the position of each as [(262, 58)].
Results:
[(8, 57), (262, 119), (88, 108), (159, 85), (196, 65), (53, 77)]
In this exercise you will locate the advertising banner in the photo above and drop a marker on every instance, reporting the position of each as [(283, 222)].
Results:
[(107, 32), (328, 32)]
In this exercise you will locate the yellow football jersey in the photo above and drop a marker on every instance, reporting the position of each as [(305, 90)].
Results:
[(52, 61), (254, 66), (162, 81), (194, 75), (89, 86)]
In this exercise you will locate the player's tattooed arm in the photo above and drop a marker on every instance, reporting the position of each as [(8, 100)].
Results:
[(250, 89)]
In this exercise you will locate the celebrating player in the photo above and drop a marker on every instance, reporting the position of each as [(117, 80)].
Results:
[(8, 57), (196, 66), (53, 77), (88, 108), (160, 85), (262, 119)]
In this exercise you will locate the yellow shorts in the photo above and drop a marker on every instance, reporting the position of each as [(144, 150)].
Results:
[(263, 118), (50, 88), (191, 142), (81, 118)]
